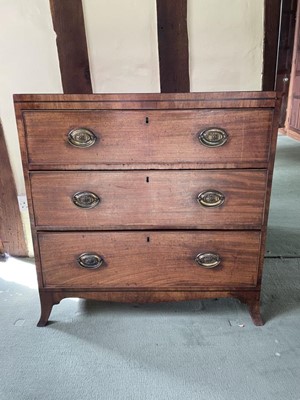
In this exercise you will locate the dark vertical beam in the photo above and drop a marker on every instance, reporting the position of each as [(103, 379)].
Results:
[(271, 36), (68, 23), (2, 251), (173, 46), (11, 227), (285, 55)]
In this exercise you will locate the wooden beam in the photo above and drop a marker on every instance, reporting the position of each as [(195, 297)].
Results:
[(173, 46), (68, 23), (292, 124), (11, 227), (271, 36), (2, 251), (285, 55)]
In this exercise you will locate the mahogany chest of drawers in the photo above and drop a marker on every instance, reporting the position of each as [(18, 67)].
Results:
[(148, 197)]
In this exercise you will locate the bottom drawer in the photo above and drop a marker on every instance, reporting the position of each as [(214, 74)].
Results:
[(150, 260)]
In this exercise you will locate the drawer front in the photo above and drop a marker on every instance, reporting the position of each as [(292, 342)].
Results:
[(129, 137), (149, 260), (149, 199)]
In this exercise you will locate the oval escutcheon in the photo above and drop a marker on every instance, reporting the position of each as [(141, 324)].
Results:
[(213, 137), (90, 260), (211, 198), (81, 137), (85, 199), (208, 260)]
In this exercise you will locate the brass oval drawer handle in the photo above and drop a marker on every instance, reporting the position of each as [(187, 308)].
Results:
[(208, 260), (81, 137), (213, 137), (211, 198), (86, 199), (90, 260)]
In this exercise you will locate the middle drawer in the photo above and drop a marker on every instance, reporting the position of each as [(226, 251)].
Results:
[(149, 199)]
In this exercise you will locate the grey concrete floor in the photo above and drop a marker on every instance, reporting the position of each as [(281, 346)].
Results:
[(284, 218), (206, 350)]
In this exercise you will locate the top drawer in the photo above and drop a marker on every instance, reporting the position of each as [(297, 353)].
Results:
[(125, 139)]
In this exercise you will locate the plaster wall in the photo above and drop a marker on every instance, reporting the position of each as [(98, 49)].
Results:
[(122, 45), (28, 64), (226, 44), (225, 39)]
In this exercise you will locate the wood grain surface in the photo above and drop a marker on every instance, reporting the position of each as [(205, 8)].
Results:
[(152, 260), (173, 45), (50, 297), (165, 137), (272, 17), (148, 167), (149, 199), (68, 23), (211, 97)]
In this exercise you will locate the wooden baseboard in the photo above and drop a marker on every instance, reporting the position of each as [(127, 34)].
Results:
[(282, 131), (1, 248), (293, 134)]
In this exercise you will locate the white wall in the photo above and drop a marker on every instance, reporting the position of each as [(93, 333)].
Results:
[(226, 44), (225, 39), (28, 63), (122, 45)]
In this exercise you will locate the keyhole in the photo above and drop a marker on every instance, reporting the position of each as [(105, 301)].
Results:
[(147, 179), (147, 120), (148, 239)]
